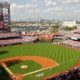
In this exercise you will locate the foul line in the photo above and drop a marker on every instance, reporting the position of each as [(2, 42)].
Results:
[(8, 70), (39, 70)]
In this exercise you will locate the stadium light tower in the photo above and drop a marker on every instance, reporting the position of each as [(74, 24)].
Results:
[(5, 20)]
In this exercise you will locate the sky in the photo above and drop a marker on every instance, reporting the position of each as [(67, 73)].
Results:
[(44, 9)]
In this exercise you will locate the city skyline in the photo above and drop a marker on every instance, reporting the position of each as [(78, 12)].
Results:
[(45, 9)]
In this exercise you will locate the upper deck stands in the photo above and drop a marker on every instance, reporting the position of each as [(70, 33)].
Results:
[(10, 38), (5, 35), (72, 43)]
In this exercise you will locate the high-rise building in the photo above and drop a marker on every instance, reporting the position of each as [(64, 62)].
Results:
[(5, 20)]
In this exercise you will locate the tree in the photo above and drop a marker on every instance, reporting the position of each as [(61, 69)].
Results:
[(55, 27), (69, 28)]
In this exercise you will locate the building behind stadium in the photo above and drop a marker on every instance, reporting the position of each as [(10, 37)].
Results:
[(5, 20)]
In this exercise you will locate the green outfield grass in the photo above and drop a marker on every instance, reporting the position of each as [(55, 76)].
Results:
[(65, 57), (32, 66)]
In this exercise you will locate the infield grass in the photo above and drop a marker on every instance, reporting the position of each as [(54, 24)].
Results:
[(31, 66)]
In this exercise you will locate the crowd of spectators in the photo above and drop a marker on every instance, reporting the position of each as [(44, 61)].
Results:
[(71, 43), (4, 35), (11, 41), (31, 39), (71, 39), (10, 38), (68, 75)]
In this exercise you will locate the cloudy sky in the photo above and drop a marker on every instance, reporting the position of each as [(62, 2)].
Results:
[(46, 9)]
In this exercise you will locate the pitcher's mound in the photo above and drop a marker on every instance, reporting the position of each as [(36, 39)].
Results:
[(24, 67)]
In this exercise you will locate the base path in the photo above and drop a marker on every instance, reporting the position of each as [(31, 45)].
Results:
[(45, 62)]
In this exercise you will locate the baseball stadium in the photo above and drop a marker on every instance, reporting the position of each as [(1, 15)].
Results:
[(45, 57)]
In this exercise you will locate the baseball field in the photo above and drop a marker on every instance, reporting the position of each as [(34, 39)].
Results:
[(65, 57)]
